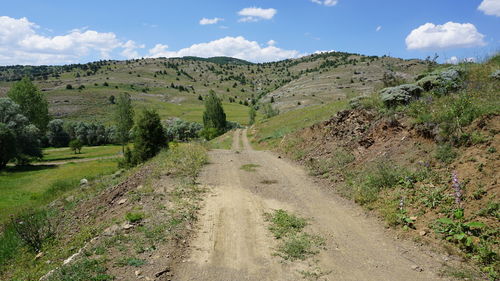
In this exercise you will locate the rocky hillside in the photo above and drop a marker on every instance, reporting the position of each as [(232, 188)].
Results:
[(83, 91)]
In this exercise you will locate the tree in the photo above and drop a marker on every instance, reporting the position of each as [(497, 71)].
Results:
[(214, 116), (269, 111), (19, 139), (124, 118), (56, 134), (149, 136), (33, 104), (111, 99), (76, 146), (251, 115)]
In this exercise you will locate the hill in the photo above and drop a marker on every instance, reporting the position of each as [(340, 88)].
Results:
[(175, 86)]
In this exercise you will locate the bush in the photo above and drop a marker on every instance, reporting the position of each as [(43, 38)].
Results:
[(373, 179), (401, 94), (34, 228), (56, 135), (133, 217), (181, 130), (76, 146), (445, 153), (269, 111)]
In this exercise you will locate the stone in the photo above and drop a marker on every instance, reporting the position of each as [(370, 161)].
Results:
[(122, 201), (84, 181), (127, 226), (422, 233), (138, 273), (417, 268), (414, 218), (110, 231), (39, 255)]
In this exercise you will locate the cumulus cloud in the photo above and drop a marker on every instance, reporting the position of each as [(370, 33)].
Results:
[(271, 42), (490, 7), (130, 49), (456, 60), (236, 47), (205, 21), (255, 14), (20, 43), (326, 2), (448, 35)]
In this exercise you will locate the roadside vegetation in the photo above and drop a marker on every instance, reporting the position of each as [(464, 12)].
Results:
[(422, 155)]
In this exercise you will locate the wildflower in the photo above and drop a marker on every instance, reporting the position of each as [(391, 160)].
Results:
[(457, 187)]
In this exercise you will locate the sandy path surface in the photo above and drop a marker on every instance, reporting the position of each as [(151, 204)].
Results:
[(233, 242)]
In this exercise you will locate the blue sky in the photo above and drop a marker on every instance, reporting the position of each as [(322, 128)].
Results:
[(58, 32)]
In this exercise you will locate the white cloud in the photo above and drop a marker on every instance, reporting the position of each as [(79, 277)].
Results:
[(205, 21), (455, 60), (255, 14), (236, 47), (448, 35), (271, 42), (326, 2), (490, 7), (378, 28), (20, 43), (130, 49)]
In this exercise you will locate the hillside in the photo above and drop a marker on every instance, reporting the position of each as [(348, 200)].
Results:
[(174, 86)]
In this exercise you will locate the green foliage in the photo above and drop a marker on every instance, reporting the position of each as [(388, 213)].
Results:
[(269, 111), (214, 116), (149, 137), (252, 113), (91, 133), (180, 130), (130, 261), (56, 135), (19, 138), (373, 179), (299, 246), (401, 94), (283, 223), (492, 209), (34, 228), (10, 243), (85, 269), (457, 231), (76, 146), (445, 153), (32, 102), (133, 217), (124, 117)]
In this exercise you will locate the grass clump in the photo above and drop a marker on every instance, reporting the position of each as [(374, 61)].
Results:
[(131, 261), (249, 167), (82, 270), (445, 153), (134, 217), (284, 224), (295, 244)]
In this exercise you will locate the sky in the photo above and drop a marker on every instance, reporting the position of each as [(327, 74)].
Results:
[(62, 32)]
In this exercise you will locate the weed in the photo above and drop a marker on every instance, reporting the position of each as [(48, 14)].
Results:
[(134, 217), (82, 270), (34, 228), (492, 149), (130, 261), (283, 223), (249, 167), (379, 176), (269, 181), (299, 246), (445, 153), (492, 209)]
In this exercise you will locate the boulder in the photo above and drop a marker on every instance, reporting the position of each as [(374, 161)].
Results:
[(84, 181), (495, 75)]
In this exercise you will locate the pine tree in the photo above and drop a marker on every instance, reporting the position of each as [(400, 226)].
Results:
[(149, 136)]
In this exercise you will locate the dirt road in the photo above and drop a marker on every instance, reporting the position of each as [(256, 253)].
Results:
[(233, 242)]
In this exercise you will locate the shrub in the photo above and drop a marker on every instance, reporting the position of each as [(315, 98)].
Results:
[(371, 180), (76, 146), (149, 136), (34, 228), (269, 111), (181, 130), (401, 94), (82, 270)]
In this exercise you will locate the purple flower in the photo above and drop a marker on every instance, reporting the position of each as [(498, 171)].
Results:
[(457, 187)]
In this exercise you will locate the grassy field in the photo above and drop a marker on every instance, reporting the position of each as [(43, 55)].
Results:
[(269, 132), (65, 154), (222, 142), (32, 186)]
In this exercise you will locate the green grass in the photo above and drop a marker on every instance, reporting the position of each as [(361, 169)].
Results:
[(284, 224), (294, 242), (33, 186), (222, 142), (249, 167), (269, 132), (133, 217), (66, 154)]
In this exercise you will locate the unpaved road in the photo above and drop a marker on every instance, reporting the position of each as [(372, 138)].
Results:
[(233, 243)]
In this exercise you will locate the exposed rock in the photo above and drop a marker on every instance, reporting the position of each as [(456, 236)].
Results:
[(122, 201), (84, 182), (39, 255)]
